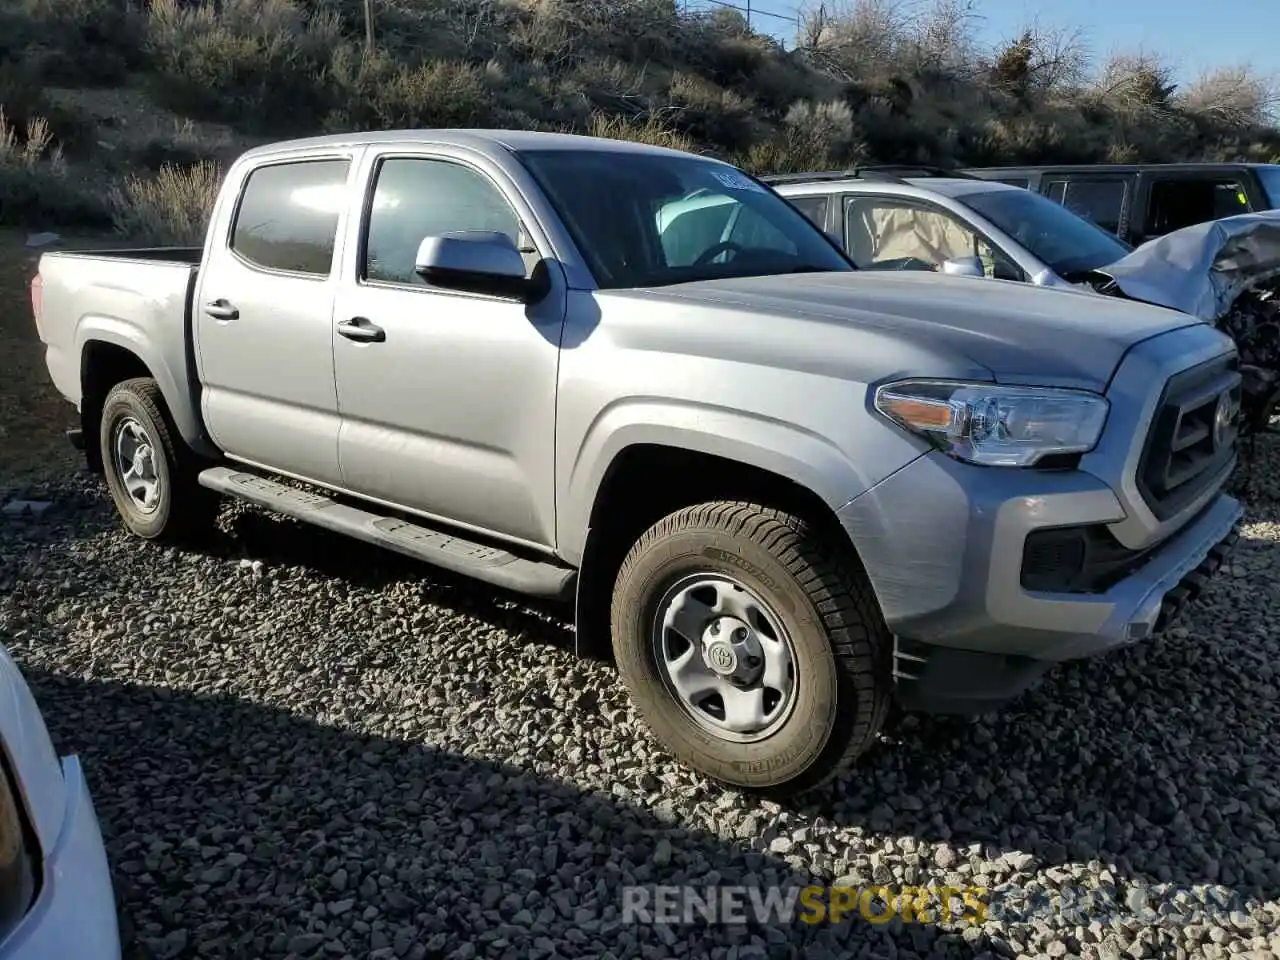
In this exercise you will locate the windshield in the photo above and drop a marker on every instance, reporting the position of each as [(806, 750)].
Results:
[(648, 219), (1067, 243), (1270, 177)]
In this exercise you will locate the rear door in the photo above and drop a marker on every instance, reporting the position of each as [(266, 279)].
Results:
[(263, 316)]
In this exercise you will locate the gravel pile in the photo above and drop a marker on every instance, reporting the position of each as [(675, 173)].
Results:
[(300, 747)]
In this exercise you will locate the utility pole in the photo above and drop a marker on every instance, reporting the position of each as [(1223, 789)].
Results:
[(368, 26)]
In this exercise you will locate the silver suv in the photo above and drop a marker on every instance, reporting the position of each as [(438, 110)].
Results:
[(888, 219)]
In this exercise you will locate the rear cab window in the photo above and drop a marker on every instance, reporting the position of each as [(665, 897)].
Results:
[(288, 213)]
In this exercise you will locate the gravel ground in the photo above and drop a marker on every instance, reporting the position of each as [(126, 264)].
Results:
[(301, 747)]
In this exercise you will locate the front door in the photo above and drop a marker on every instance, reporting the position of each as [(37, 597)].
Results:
[(263, 320), (452, 412)]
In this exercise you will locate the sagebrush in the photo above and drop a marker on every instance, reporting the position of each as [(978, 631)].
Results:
[(866, 83)]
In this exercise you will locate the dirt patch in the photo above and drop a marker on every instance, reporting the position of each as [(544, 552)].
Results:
[(33, 415)]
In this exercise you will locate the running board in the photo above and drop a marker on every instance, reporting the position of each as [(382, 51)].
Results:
[(490, 564)]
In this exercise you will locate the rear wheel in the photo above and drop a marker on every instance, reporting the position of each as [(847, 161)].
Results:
[(752, 645), (150, 473)]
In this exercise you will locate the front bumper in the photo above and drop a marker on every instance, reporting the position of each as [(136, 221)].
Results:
[(74, 915), (943, 543)]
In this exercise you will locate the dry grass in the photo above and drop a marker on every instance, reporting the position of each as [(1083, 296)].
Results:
[(171, 208)]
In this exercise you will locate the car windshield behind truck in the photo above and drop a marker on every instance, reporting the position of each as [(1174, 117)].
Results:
[(647, 219), (1066, 242)]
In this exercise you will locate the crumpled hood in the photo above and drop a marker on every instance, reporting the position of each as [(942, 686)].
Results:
[(1022, 334), (1202, 269)]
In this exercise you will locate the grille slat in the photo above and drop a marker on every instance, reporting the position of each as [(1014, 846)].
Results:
[(1186, 452)]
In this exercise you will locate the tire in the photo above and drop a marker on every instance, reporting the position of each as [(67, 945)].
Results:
[(833, 634), (134, 415)]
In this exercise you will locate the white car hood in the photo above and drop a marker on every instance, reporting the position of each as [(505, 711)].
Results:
[(1201, 270), (25, 742)]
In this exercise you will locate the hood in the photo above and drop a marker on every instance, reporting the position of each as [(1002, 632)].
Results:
[(1020, 333), (1201, 270)]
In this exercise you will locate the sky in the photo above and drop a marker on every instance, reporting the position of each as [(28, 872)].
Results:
[(1195, 35)]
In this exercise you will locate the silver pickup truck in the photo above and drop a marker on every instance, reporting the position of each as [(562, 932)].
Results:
[(779, 490)]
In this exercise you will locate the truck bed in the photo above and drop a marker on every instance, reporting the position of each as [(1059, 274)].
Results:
[(136, 299)]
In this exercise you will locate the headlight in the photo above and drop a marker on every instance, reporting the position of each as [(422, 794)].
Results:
[(17, 873), (992, 425)]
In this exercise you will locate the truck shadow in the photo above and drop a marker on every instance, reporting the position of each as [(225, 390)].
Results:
[(1061, 775), (261, 833)]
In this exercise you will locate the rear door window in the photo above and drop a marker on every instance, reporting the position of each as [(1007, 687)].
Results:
[(288, 216), (814, 208), (1177, 203)]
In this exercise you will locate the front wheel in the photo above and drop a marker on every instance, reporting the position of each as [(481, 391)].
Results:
[(150, 473), (752, 645)]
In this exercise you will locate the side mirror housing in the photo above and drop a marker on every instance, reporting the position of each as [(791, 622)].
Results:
[(964, 267), (477, 262)]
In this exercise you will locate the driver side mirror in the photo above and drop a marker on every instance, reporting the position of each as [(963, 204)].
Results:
[(964, 267), (478, 261)]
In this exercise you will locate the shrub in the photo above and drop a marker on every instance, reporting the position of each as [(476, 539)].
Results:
[(34, 183), (650, 130), (73, 42), (184, 147), (171, 208), (23, 98), (259, 64), (371, 92)]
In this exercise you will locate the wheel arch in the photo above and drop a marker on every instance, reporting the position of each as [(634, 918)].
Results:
[(646, 481)]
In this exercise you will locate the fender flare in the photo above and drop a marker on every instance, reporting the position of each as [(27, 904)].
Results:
[(785, 449), (128, 336)]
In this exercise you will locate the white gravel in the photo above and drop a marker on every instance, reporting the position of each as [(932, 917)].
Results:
[(300, 747)]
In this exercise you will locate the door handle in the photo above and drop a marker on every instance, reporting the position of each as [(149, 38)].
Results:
[(221, 310), (361, 330)]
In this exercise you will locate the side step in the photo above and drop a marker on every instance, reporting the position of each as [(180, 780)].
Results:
[(489, 564)]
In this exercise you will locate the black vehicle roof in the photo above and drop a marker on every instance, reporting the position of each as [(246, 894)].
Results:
[(1121, 167)]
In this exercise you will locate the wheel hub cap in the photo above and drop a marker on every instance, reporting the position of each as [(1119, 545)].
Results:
[(135, 463), (732, 650), (725, 657)]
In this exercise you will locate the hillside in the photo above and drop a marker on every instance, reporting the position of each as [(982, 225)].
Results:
[(121, 113)]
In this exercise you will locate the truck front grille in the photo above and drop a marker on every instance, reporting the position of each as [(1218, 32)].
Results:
[(1192, 441)]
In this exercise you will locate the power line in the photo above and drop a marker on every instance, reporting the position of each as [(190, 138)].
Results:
[(748, 11)]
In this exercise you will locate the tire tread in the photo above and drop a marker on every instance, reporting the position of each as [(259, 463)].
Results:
[(832, 578)]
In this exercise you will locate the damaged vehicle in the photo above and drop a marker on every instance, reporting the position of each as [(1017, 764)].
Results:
[(1225, 272)]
